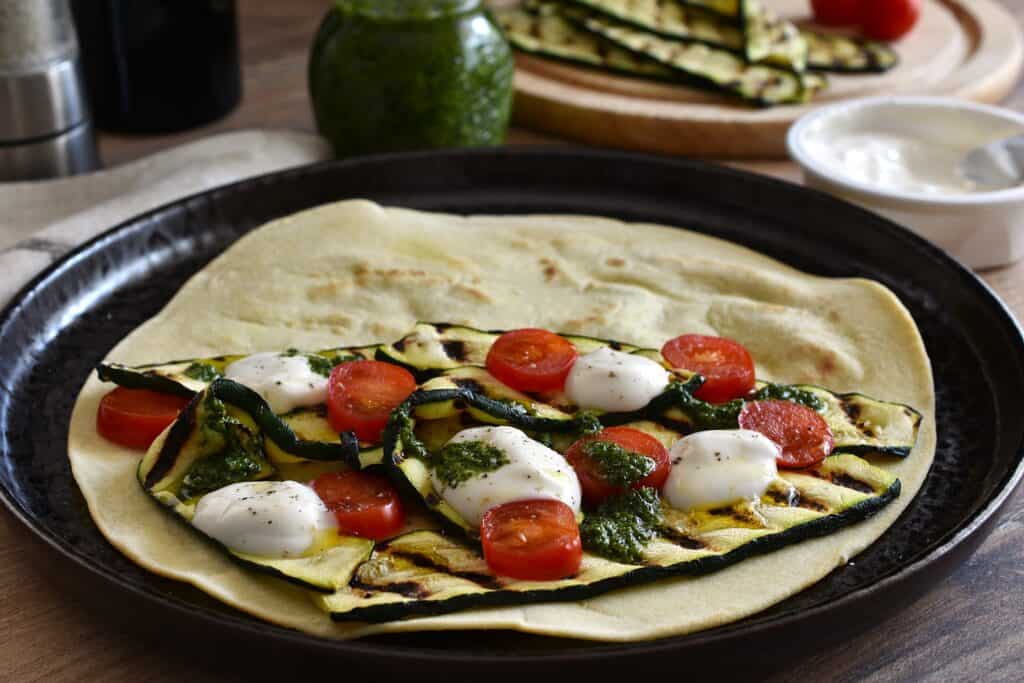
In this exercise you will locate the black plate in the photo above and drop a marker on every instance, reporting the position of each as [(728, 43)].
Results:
[(65, 321)]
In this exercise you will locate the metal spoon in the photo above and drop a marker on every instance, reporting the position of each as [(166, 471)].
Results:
[(996, 166)]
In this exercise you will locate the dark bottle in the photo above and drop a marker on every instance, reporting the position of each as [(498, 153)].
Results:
[(157, 66)]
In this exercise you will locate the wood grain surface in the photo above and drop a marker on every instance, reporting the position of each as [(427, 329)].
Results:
[(969, 627), (961, 48)]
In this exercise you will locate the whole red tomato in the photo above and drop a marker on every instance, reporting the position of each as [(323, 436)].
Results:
[(836, 12), (888, 19)]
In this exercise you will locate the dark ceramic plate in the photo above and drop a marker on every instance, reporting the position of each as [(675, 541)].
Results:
[(64, 322)]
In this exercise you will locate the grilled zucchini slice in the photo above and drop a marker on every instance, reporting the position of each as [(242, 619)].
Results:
[(220, 423), (669, 19), (549, 35), (860, 424), (186, 377), (718, 69), (842, 54), (769, 39), (426, 572), (759, 35)]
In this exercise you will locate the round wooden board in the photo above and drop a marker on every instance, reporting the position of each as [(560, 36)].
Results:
[(972, 49)]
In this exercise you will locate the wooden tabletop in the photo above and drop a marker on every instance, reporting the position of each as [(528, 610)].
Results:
[(969, 627)]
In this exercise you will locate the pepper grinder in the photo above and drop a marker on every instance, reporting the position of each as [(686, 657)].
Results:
[(45, 129)]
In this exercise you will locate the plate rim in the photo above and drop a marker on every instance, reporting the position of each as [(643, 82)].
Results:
[(238, 621)]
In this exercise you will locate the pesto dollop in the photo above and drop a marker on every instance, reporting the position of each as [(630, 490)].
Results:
[(320, 363), (202, 371), (323, 364), (617, 465), (459, 462), (706, 415), (788, 392), (238, 452), (621, 527)]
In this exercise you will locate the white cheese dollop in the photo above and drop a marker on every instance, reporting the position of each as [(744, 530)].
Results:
[(265, 518), (533, 471), (614, 381), (284, 382), (719, 467)]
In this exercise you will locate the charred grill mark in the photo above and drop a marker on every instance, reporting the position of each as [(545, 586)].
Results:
[(848, 482), (486, 581), (455, 350), (407, 589), (789, 498), (459, 404), (851, 409), (680, 539), (432, 499), (442, 327), (809, 504), (175, 442), (400, 345)]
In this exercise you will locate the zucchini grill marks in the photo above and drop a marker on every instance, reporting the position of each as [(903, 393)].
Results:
[(425, 571), (549, 35), (743, 28)]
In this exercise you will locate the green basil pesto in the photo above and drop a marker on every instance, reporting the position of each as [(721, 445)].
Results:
[(324, 364), (201, 371), (237, 453), (788, 392), (388, 75), (460, 462), (621, 527), (320, 363), (706, 415), (618, 466)]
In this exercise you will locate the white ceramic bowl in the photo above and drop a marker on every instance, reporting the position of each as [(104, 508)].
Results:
[(982, 229)]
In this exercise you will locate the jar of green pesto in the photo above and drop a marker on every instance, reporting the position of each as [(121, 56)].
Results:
[(387, 75)]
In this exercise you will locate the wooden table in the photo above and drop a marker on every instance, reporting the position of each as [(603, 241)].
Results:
[(969, 627)]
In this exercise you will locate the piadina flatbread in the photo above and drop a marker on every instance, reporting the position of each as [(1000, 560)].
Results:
[(354, 273)]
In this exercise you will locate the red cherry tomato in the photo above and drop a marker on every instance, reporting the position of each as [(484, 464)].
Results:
[(361, 395), (836, 12), (531, 359), (134, 417), (726, 365), (802, 435), (364, 504), (532, 540), (888, 19), (595, 488)]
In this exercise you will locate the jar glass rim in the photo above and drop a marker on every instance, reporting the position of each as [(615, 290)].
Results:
[(407, 10)]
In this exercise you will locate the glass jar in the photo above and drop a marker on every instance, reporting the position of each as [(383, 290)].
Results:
[(388, 75)]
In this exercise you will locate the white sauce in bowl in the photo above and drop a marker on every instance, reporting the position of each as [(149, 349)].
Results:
[(895, 161)]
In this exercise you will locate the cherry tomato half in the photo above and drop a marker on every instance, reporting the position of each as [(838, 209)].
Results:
[(361, 395), (802, 435), (531, 359), (836, 12), (134, 417), (726, 365), (364, 504), (888, 19), (532, 540), (595, 488)]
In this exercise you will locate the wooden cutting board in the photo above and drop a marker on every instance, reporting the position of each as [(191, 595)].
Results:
[(971, 49)]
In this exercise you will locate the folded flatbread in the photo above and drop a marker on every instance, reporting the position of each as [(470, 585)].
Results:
[(356, 273)]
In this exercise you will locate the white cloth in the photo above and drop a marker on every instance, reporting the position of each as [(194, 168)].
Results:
[(41, 220)]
